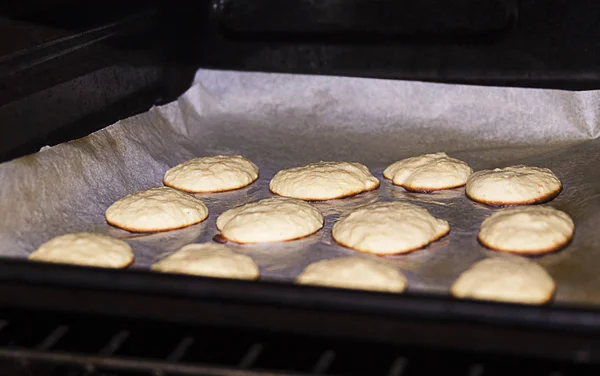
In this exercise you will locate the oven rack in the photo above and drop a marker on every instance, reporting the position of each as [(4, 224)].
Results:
[(50, 343)]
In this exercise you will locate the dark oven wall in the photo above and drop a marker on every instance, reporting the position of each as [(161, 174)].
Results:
[(69, 67), (495, 42)]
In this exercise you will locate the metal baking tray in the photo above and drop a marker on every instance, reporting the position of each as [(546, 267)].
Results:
[(67, 188)]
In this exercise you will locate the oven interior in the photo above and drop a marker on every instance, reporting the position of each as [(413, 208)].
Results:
[(84, 65)]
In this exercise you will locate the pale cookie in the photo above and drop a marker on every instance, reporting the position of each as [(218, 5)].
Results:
[(505, 279), (209, 260), (270, 220), (85, 249), (212, 174), (513, 185), (323, 181), (428, 172), (387, 228), (156, 209), (527, 230), (353, 273)]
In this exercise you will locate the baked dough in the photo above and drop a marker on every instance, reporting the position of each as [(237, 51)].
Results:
[(156, 209), (353, 273), (270, 220), (210, 260), (323, 181), (513, 185), (527, 230), (387, 228), (507, 279), (85, 249), (212, 174), (428, 172)]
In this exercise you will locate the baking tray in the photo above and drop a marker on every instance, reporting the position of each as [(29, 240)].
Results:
[(284, 120)]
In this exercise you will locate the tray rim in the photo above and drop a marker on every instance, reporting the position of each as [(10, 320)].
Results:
[(428, 306)]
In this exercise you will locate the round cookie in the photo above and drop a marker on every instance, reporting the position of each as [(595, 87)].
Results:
[(323, 181), (209, 260), (156, 209), (353, 273), (85, 249), (428, 172), (527, 230), (505, 279), (513, 185), (212, 174), (388, 228), (270, 220)]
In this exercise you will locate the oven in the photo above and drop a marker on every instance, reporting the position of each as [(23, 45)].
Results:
[(72, 68)]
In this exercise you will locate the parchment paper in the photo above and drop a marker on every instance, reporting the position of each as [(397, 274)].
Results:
[(281, 121)]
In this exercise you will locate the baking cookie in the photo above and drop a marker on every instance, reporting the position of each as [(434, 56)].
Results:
[(212, 174), (323, 181), (353, 273), (527, 230), (209, 260), (156, 209), (506, 279), (270, 220), (428, 172), (85, 249), (387, 228), (513, 185)]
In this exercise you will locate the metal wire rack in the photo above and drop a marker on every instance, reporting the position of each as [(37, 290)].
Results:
[(42, 343)]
